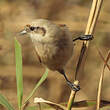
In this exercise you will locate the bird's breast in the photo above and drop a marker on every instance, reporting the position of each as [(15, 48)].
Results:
[(54, 55), (46, 50)]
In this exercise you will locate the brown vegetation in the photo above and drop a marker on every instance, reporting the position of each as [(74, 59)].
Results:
[(73, 13)]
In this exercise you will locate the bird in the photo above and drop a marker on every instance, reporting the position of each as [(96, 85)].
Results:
[(54, 45)]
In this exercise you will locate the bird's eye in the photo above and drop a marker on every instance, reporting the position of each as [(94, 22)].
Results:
[(32, 28)]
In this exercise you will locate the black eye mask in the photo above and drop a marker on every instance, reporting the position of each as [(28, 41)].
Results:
[(32, 28), (36, 29)]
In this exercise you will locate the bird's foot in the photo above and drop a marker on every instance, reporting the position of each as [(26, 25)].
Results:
[(86, 37), (74, 87)]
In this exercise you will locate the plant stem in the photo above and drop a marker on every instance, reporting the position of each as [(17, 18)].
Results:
[(92, 20), (72, 96)]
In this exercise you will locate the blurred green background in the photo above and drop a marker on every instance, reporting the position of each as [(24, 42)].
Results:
[(15, 14)]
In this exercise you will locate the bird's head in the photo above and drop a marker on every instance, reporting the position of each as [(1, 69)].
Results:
[(42, 29)]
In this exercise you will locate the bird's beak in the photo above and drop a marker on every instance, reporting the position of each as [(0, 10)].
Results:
[(23, 32)]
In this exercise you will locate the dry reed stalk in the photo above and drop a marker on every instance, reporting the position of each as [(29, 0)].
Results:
[(94, 13), (101, 79)]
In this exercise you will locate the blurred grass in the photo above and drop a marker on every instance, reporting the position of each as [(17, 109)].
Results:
[(42, 79), (4, 102)]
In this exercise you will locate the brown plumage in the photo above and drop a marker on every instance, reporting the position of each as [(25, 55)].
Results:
[(53, 44)]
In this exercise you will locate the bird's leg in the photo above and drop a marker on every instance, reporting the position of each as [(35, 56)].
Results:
[(73, 86), (84, 37)]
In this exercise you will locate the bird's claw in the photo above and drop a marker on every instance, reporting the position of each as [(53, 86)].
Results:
[(86, 37), (74, 87)]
